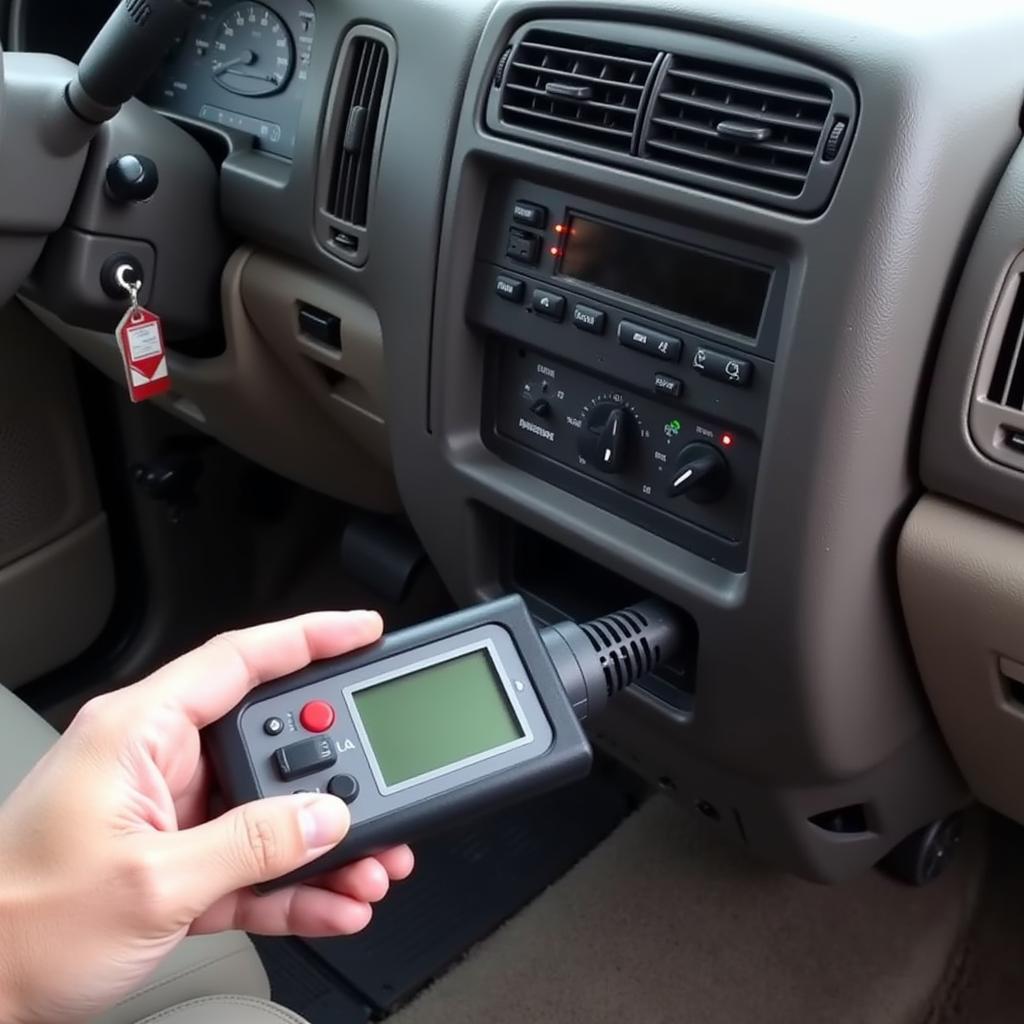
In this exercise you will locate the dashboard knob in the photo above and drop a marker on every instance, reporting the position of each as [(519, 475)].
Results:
[(132, 179), (702, 474), (606, 437)]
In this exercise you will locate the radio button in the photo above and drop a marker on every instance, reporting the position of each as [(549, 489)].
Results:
[(588, 319), (523, 247), (511, 289), (530, 214), (668, 386), (723, 368), (548, 304), (653, 343)]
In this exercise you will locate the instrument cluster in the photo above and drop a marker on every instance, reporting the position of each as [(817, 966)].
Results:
[(243, 66)]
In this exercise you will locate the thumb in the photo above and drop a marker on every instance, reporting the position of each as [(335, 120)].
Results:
[(257, 843)]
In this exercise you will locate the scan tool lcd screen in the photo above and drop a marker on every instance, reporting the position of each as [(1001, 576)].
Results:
[(434, 719)]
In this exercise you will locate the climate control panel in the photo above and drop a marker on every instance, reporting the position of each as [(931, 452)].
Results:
[(687, 477)]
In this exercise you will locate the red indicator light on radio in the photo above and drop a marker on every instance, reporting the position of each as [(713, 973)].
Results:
[(555, 251), (728, 440), (559, 229)]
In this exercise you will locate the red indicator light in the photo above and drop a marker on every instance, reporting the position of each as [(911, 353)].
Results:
[(555, 251), (559, 229), (728, 440)]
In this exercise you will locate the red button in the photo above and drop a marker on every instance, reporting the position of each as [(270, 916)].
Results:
[(317, 716)]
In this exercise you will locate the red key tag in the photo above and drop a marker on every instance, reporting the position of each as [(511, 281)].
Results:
[(140, 337)]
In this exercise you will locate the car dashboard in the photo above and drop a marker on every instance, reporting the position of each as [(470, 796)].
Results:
[(611, 300)]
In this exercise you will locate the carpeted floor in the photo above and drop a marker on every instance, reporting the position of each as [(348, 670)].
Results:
[(664, 923)]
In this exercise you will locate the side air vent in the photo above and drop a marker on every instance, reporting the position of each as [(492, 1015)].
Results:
[(997, 406), (355, 129), (573, 88), (1006, 388), (738, 125), (714, 115)]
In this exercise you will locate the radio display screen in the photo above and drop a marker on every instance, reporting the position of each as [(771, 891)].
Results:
[(715, 290)]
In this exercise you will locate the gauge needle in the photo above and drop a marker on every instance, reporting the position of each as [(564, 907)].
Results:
[(246, 58)]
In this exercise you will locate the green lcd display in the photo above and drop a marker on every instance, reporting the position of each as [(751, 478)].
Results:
[(436, 717)]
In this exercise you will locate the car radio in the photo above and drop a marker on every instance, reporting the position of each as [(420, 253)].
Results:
[(633, 361)]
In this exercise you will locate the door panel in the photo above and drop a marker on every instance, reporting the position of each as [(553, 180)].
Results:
[(56, 569)]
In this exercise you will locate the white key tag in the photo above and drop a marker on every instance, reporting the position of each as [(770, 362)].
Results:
[(140, 337)]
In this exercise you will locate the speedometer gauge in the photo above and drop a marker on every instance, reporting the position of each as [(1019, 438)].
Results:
[(252, 53)]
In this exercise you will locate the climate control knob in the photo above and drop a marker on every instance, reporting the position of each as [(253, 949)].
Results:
[(607, 437), (702, 474)]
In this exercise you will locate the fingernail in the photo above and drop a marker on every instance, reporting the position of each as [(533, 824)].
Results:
[(324, 822)]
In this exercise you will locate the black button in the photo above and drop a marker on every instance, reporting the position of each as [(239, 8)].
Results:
[(548, 304), (654, 343), (588, 319), (305, 757), (530, 214), (523, 247), (320, 326), (510, 288), (723, 368), (273, 727), (344, 787), (541, 408), (666, 385)]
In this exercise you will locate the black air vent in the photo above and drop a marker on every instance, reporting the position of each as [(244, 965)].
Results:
[(357, 125), (1007, 385), (575, 88), (738, 125)]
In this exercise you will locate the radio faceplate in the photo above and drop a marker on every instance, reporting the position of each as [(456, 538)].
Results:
[(638, 409)]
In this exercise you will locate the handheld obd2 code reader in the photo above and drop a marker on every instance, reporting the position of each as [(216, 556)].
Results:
[(435, 724)]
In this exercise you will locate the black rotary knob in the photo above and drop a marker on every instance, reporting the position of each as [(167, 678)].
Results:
[(701, 473), (132, 179), (607, 435)]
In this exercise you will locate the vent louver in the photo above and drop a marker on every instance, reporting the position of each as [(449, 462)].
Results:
[(736, 124), (350, 189), (580, 89), (352, 144), (701, 111), (1006, 388)]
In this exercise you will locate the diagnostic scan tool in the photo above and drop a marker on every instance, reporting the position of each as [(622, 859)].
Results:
[(437, 723)]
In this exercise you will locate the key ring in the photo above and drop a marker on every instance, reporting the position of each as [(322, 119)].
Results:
[(131, 287)]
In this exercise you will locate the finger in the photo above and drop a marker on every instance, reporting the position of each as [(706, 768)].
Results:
[(301, 910), (398, 863), (192, 803), (207, 683), (250, 845), (365, 880)]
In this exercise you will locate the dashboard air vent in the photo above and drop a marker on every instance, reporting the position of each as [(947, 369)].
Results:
[(352, 144), (696, 110), (997, 400), (587, 90), (350, 188), (1006, 388), (737, 124)]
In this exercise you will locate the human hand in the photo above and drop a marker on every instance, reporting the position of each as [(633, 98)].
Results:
[(109, 856)]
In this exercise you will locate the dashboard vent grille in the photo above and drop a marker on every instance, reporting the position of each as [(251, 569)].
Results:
[(352, 143), (696, 110), (737, 124), (349, 195), (584, 90), (1006, 388)]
